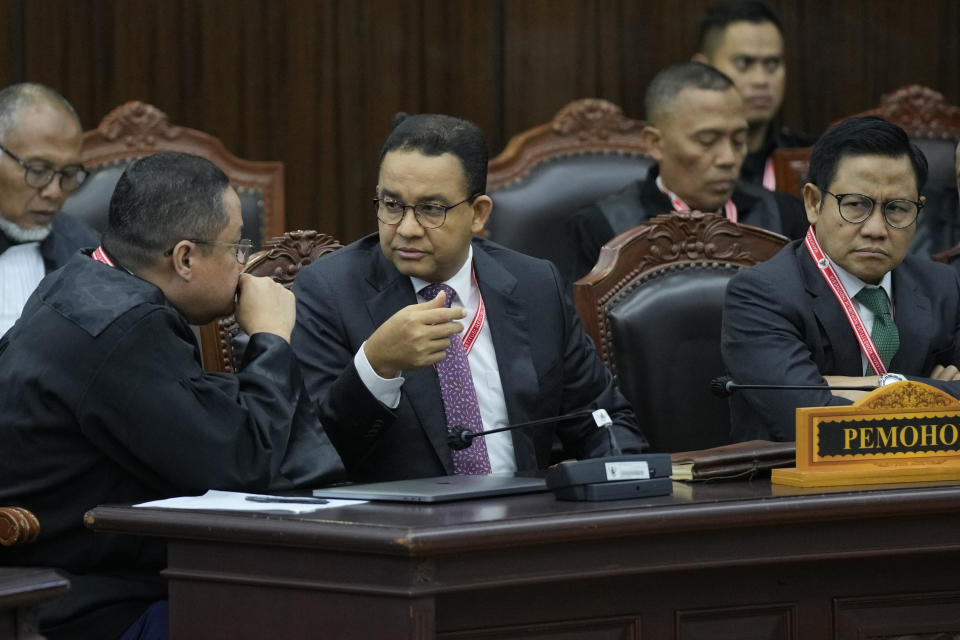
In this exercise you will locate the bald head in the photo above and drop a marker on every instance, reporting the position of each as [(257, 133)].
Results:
[(669, 83)]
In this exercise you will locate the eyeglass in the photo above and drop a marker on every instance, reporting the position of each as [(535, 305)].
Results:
[(243, 247), (855, 208), (429, 215), (39, 176)]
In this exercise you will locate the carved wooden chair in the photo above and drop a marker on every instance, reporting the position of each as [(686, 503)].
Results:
[(282, 258), (933, 125), (653, 306), (18, 526), (589, 150), (137, 129)]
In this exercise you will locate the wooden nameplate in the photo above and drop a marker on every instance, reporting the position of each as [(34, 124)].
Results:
[(903, 432)]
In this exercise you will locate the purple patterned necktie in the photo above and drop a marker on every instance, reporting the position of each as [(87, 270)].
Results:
[(459, 396)]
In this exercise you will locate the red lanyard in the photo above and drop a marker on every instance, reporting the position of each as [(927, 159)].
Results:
[(473, 330), (101, 256), (833, 281), (729, 209), (769, 177)]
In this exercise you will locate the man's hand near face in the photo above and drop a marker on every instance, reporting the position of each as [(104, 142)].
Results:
[(265, 306), (414, 337)]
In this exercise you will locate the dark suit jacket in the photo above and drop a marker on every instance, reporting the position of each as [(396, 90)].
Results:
[(783, 325), (548, 366), (640, 201)]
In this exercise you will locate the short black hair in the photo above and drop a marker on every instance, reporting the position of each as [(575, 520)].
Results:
[(435, 134), (863, 136), (667, 84), (160, 200), (17, 96), (718, 17)]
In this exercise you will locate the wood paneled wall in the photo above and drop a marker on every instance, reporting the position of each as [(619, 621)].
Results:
[(314, 83)]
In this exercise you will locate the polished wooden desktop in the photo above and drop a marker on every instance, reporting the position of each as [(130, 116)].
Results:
[(727, 560)]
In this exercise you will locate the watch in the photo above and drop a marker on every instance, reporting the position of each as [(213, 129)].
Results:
[(891, 378)]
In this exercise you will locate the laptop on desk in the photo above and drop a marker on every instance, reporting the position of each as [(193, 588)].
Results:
[(441, 489)]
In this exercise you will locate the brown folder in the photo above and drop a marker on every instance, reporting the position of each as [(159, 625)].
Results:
[(733, 460)]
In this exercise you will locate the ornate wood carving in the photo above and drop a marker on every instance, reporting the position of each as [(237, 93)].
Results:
[(591, 120), (282, 258), (908, 395), (589, 125), (921, 111), (18, 526), (139, 125)]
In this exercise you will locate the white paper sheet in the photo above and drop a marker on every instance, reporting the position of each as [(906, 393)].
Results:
[(235, 501)]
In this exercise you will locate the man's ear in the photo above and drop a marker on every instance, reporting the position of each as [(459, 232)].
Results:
[(652, 140), (482, 207), (182, 257), (812, 200)]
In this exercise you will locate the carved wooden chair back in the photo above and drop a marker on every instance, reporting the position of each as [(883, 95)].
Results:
[(282, 258), (18, 526), (653, 307), (137, 129), (546, 174)]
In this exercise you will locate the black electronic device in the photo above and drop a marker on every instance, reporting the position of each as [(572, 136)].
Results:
[(613, 478)]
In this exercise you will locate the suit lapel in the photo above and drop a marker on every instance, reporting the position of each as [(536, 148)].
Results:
[(913, 316), (832, 319), (510, 330), (421, 387)]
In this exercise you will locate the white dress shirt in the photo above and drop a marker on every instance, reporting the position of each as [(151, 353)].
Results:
[(21, 270), (483, 369)]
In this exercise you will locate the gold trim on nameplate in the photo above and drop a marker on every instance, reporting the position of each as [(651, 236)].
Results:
[(902, 432)]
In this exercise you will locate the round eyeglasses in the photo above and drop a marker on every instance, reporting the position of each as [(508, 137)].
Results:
[(428, 214), (39, 176), (243, 247), (855, 208)]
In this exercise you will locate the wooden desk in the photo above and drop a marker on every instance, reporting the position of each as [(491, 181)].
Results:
[(21, 590), (712, 561)]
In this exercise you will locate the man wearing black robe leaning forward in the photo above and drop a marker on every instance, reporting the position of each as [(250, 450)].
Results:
[(795, 319), (104, 399)]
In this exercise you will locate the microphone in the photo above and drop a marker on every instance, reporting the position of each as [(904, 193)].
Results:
[(460, 437), (724, 386)]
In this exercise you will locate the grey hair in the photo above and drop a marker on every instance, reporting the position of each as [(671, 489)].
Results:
[(17, 96)]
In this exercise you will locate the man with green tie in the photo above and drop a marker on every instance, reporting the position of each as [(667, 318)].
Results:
[(846, 305)]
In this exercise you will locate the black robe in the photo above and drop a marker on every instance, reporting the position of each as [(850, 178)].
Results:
[(103, 400)]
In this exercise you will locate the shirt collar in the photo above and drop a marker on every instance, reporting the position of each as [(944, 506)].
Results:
[(460, 282), (852, 284)]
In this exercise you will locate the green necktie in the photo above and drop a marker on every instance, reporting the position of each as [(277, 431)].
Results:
[(885, 335)]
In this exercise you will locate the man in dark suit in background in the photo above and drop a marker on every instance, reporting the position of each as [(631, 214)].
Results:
[(382, 351), (40, 139), (744, 40), (795, 319), (697, 133)]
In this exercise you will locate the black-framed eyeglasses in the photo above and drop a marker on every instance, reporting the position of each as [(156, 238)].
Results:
[(39, 176), (855, 208), (243, 247), (428, 214)]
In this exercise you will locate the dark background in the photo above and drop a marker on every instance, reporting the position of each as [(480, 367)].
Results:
[(314, 83)]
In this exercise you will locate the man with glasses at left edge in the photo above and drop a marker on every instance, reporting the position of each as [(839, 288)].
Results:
[(40, 139), (424, 327), (846, 305), (103, 398)]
